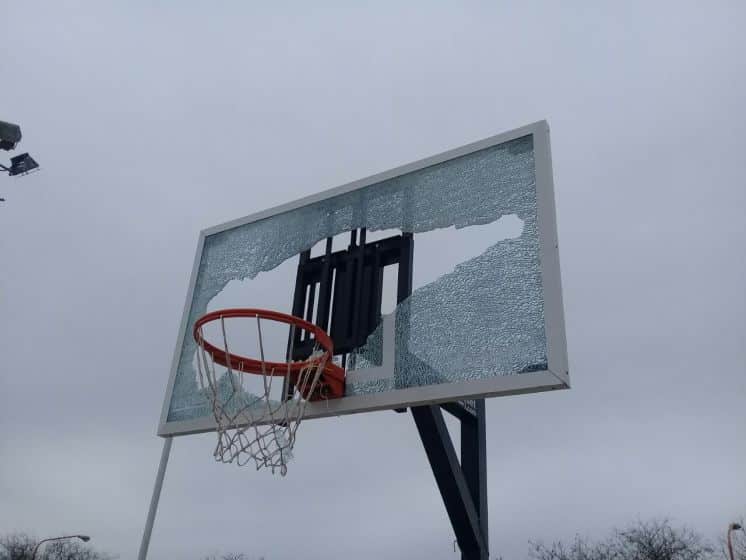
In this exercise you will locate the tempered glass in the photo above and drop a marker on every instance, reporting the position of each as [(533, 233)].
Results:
[(485, 318)]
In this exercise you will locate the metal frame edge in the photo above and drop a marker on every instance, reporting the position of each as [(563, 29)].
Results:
[(551, 278), (163, 422)]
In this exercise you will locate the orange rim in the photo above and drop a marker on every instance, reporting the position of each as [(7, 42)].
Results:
[(332, 377)]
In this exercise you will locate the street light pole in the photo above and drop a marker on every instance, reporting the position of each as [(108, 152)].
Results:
[(84, 538), (732, 527)]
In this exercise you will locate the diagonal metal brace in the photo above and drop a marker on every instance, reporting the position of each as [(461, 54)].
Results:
[(451, 481)]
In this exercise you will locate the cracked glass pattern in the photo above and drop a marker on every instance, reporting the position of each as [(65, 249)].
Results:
[(484, 318)]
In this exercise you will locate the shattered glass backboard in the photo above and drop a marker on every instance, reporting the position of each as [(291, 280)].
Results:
[(438, 281)]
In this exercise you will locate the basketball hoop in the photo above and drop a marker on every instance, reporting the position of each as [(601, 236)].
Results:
[(257, 426)]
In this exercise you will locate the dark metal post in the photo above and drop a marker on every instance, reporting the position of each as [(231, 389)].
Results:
[(474, 465)]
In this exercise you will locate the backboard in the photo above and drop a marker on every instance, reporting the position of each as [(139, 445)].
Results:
[(437, 281)]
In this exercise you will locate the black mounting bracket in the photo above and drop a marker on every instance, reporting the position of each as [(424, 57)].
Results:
[(341, 291)]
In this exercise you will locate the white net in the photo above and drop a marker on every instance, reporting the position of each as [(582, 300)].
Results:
[(251, 424)]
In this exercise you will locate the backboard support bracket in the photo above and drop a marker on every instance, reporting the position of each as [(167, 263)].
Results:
[(342, 291), (463, 410), (463, 486)]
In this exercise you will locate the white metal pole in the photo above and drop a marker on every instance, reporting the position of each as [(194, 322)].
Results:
[(142, 555)]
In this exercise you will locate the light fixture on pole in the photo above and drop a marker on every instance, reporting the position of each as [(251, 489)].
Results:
[(22, 164), (84, 538), (10, 135)]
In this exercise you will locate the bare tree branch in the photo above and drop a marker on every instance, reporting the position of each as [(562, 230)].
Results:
[(654, 540)]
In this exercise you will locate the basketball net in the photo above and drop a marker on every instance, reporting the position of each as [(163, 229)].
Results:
[(250, 426)]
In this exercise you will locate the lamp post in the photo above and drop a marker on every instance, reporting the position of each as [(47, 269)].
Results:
[(84, 538), (732, 527)]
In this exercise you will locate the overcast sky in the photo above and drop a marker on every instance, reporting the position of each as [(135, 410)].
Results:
[(154, 120)]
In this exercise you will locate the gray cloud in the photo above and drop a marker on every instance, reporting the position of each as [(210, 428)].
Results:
[(152, 122)]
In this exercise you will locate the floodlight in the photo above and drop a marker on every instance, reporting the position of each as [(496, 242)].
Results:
[(10, 135), (22, 164)]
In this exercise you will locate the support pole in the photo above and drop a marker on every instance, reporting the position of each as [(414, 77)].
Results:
[(456, 490), (474, 464), (142, 555)]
